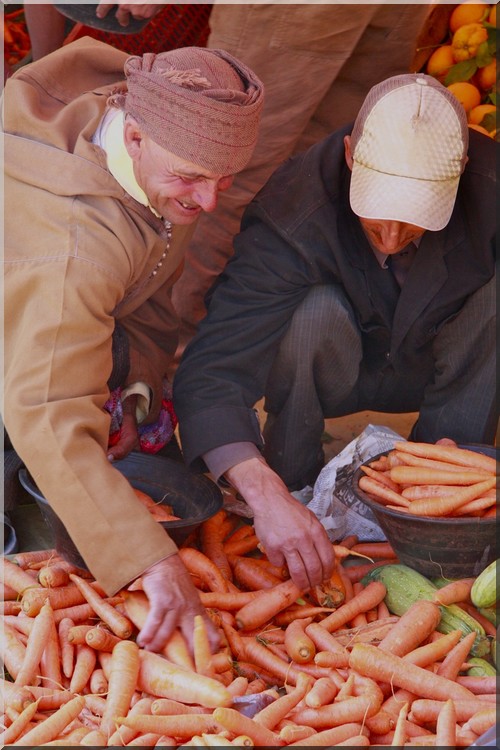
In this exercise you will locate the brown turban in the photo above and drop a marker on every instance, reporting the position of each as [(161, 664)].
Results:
[(201, 104)]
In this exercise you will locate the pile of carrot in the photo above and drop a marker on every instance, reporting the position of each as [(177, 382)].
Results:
[(438, 481), (308, 673), (16, 41)]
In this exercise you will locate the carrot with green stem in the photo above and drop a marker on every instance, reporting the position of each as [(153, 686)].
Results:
[(117, 623)]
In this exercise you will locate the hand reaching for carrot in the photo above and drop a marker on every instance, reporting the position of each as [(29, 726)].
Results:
[(174, 601), (289, 532)]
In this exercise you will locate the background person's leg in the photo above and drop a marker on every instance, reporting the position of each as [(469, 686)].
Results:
[(315, 372)]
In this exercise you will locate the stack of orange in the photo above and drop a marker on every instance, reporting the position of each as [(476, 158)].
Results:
[(466, 63)]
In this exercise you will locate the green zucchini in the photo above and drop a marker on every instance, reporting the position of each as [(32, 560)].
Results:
[(484, 589), (490, 613), (481, 668), (405, 586)]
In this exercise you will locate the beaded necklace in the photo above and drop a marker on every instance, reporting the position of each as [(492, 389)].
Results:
[(168, 227)]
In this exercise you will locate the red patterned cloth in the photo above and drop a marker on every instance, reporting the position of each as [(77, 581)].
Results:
[(152, 437)]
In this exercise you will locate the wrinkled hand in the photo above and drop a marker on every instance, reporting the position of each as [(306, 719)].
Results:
[(129, 439), (174, 601), (445, 441), (125, 10), (287, 530)]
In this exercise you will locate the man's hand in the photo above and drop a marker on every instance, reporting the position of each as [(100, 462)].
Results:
[(174, 602), (125, 10), (287, 530)]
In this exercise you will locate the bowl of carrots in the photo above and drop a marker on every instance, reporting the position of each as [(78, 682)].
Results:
[(435, 504), (178, 498)]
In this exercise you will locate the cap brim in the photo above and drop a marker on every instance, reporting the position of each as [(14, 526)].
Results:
[(423, 203), (85, 14)]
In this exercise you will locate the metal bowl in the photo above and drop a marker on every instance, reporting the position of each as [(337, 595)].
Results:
[(449, 547), (193, 497)]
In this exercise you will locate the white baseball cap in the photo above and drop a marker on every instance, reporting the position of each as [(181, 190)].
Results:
[(409, 147)]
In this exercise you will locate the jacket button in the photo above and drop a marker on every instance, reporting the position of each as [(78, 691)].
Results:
[(387, 355)]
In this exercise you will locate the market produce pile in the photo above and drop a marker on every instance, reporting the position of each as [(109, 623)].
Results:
[(465, 62), (378, 655)]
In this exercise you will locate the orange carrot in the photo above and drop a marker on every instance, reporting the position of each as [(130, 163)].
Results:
[(446, 726), (101, 639), (481, 721), (53, 575), (14, 731), (199, 564), (40, 633), (123, 735), (360, 618), (27, 559), (98, 683), (237, 723), (282, 619), (117, 623), (249, 574), (76, 634), (15, 577), (168, 707), (50, 663), (261, 656), (124, 671), (267, 604), (211, 539), (325, 641), (382, 493), (201, 648), (331, 593), (271, 715), (433, 651), (81, 612), (478, 685), (449, 453), (375, 550), (476, 507), (13, 696), (226, 601), (85, 660), (481, 619), (369, 597), (322, 692), (338, 713), (298, 644), (455, 591), (412, 628), (182, 726), (357, 572), (159, 677), (419, 475), (370, 661), (429, 463), (10, 608), (426, 711), (53, 725), (381, 477), (62, 596), (441, 506), (241, 546), (452, 663)]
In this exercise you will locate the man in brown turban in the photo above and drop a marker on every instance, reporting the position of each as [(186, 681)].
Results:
[(109, 161)]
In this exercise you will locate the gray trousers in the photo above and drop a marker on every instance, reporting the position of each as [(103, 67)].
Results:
[(319, 373)]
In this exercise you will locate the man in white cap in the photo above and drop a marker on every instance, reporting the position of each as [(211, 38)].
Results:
[(109, 161), (363, 278)]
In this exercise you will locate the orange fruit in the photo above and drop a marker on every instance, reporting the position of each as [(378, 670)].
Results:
[(466, 41), (492, 18), (480, 129), (440, 62), (466, 93), (487, 76), (476, 114), (467, 13)]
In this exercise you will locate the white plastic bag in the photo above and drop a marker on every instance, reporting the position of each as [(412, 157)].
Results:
[(333, 501)]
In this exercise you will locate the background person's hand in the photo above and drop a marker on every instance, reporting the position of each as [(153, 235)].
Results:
[(288, 531), (129, 436), (126, 10), (174, 601)]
